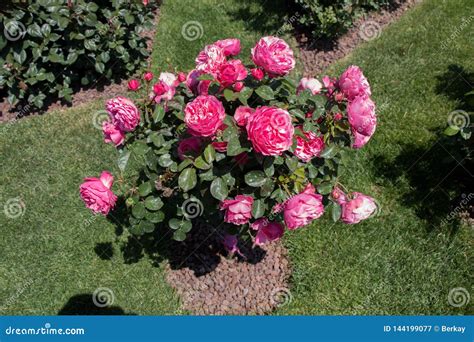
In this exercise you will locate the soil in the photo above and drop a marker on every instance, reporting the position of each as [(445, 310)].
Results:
[(102, 89), (317, 55), (211, 283)]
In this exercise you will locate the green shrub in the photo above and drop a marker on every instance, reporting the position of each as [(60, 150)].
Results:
[(329, 18), (49, 46)]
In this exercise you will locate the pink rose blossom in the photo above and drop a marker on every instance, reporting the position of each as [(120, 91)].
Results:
[(133, 85), (274, 56), (230, 243), (165, 88), (220, 146), (242, 114), (309, 148), (124, 113), (270, 130), (361, 115), (181, 77), (96, 193), (210, 59), (231, 72), (238, 86), (359, 208), (169, 78), (301, 209), (328, 82), (353, 83), (238, 210), (257, 73), (189, 146), (204, 115), (359, 139), (267, 231), (112, 134), (230, 47), (148, 76), (312, 84), (338, 195), (192, 80)]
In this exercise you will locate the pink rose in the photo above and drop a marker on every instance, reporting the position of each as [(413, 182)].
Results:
[(192, 80), (231, 72), (309, 148), (220, 146), (133, 85), (238, 210), (148, 76), (359, 139), (241, 115), (124, 113), (312, 84), (270, 130), (359, 208), (181, 77), (353, 83), (204, 115), (230, 243), (238, 86), (338, 195), (301, 209), (189, 146), (96, 193), (230, 47), (210, 59), (274, 56), (267, 231), (257, 73), (165, 89), (112, 134), (169, 79), (361, 115)]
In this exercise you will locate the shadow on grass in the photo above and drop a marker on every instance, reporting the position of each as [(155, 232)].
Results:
[(83, 304), (440, 175), (201, 252)]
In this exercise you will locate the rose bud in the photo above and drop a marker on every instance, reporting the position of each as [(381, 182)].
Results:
[(257, 73), (133, 85), (148, 76)]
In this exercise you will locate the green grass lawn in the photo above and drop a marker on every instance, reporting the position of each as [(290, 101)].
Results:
[(401, 262)]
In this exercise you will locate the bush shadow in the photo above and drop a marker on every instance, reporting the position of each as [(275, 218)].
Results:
[(83, 304)]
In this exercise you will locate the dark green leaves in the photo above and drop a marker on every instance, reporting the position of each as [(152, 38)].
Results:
[(265, 92), (153, 203), (258, 208), (255, 178), (187, 179), (219, 189)]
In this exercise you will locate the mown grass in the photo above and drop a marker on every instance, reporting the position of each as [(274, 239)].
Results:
[(403, 261)]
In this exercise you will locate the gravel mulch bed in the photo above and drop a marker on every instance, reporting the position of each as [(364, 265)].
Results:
[(210, 283), (319, 54)]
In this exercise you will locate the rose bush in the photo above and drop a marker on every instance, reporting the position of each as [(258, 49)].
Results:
[(247, 148)]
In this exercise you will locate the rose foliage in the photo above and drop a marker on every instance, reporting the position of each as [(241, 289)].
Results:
[(244, 148)]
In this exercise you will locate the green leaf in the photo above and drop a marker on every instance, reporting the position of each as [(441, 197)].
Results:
[(90, 45), (219, 189), (140, 148), (183, 225), (158, 114), (153, 203), (187, 179), (157, 139), (267, 188), (34, 30), (229, 95), (139, 210), (325, 188), (245, 94), (155, 216), (165, 160), (451, 130), (292, 163), (146, 226), (255, 178), (122, 160), (209, 154), (20, 57), (233, 146), (329, 152), (265, 92), (268, 167), (258, 208), (184, 164), (179, 235), (99, 67), (200, 163), (144, 189), (335, 211), (45, 30)]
